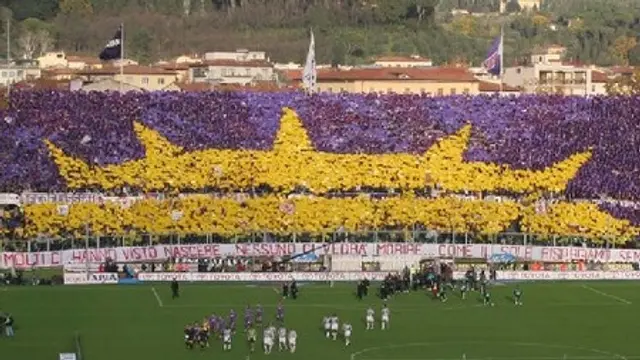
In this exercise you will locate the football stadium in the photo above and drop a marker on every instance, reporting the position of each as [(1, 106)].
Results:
[(139, 225)]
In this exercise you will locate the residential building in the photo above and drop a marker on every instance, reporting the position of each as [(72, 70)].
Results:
[(240, 55), (403, 61), (187, 59), (554, 78), (59, 59), (525, 5), (436, 81), (110, 85), (143, 77), (221, 71), (287, 66), (14, 73), (599, 82), (181, 69), (552, 54), (83, 62), (492, 88), (53, 59), (59, 73)]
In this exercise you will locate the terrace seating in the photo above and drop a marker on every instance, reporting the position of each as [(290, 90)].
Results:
[(528, 148)]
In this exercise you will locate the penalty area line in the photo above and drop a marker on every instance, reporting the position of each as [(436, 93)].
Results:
[(157, 296), (617, 298)]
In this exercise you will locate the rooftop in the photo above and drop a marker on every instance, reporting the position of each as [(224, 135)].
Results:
[(128, 70), (486, 86), (235, 63), (454, 74)]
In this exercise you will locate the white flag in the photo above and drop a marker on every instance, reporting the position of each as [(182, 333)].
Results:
[(310, 74)]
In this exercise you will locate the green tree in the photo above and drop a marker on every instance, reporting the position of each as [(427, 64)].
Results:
[(34, 38), (76, 7), (140, 44), (513, 7), (39, 9)]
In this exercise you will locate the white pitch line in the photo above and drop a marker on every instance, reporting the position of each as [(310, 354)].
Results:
[(155, 293), (617, 298), (275, 290), (600, 357)]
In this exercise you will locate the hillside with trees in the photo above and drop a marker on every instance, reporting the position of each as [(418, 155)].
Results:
[(347, 31)]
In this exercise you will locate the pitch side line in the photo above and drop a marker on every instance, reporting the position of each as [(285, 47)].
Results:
[(601, 354), (617, 298), (158, 299), (601, 357)]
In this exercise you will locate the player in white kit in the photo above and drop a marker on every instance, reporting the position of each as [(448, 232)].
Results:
[(369, 318), (293, 338), (347, 328), (226, 339), (384, 318), (282, 339), (335, 327), (326, 321), (267, 340)]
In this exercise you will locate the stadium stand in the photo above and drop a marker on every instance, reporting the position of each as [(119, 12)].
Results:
[(540, 164)]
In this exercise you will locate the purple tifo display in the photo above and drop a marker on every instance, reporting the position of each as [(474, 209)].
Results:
[(524, 132)]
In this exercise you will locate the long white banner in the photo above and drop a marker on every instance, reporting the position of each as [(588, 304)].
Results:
[(164, 252), (105, 278)]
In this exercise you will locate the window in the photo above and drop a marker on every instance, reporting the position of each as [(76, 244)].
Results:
[(20, 73), (225, 72), (422, 90), (4, 74), (407, 91), (389, 91), (440, 91), (593, 88), (341, 89), (453, 91), (330, 90), (12, 74), (372, 90), (145, 80), (466, 91), (199, 72), (247, 71), (518, 71), (161, 81)]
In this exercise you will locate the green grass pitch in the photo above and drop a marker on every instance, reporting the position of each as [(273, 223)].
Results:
[(559, 321)]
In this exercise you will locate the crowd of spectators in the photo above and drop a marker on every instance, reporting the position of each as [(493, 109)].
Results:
[(527, 148)]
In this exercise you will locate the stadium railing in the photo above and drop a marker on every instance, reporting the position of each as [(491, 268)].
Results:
[(419, 236)]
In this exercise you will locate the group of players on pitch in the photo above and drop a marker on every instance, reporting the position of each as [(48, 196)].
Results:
[(439, 292), (332, 324), (224, 328)]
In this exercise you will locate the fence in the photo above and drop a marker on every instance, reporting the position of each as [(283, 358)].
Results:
[(429, 237)]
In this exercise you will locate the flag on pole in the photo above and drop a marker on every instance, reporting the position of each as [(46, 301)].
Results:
[(493, 62), (113, 49), (310, 74)]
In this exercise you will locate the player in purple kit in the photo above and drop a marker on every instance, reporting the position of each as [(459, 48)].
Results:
[(221, 325), (212, 322), (233, 316), (280, 313), (248, 318), (259, 312)]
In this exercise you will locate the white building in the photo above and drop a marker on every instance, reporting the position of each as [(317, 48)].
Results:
[(13, 73), (403, 61), (241, 55), (242, 67)]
